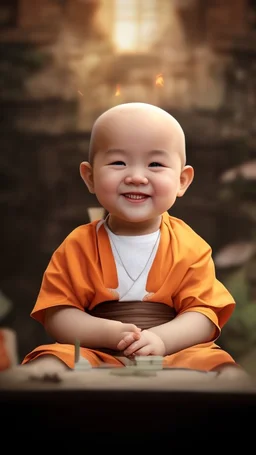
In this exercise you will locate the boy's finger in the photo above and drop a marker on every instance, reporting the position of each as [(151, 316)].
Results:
[(128, 340), (132, 348)]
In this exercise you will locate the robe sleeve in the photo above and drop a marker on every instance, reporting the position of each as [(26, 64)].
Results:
[(64, 281), (201, 291)]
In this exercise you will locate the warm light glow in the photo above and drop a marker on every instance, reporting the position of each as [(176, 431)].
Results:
[(159, 80), (125, 36), (135, 24), (118, 91)]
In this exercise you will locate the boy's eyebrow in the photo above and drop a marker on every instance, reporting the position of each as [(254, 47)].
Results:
[(109, 151), (151, 152), (158, 152)]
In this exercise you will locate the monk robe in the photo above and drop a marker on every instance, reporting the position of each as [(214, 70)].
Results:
[(82, 274)]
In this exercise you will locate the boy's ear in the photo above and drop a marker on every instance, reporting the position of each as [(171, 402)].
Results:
[(87, 175), (186, 178)]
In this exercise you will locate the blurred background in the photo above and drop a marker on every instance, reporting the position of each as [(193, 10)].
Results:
[(62, 63)]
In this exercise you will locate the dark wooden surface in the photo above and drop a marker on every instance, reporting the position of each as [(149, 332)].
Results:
[(185, 410)]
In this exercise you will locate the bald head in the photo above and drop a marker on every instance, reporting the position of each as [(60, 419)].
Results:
[(133, 121)]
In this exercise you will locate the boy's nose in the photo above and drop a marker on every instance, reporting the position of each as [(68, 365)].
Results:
[(136, 179)]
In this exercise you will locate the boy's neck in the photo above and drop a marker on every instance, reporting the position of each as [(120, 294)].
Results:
[(129, 228)]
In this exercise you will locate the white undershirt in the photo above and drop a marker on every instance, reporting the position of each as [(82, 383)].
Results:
[(135, 252)]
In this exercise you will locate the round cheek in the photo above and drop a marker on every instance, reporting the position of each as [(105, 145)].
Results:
[(105, 186), (165, 186)]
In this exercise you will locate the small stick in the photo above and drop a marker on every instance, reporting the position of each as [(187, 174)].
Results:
[(77, 351)]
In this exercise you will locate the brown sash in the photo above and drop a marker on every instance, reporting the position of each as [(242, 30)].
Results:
[(143, 314)]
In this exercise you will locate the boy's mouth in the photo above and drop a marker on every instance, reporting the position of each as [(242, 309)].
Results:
[(135, 196)]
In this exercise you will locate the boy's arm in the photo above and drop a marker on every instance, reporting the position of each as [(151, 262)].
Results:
[(202, 303), (185, 330), (66, 324)]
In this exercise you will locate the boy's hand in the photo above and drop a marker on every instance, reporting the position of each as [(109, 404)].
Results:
[(129, 332), (148, 343)]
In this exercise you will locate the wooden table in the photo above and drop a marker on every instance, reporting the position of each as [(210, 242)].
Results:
[(185, 406)]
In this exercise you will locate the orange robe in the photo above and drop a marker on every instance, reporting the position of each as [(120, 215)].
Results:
[(82, 274), (5, 358)]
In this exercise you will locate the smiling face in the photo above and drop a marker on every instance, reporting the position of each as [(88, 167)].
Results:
[(138, 166)]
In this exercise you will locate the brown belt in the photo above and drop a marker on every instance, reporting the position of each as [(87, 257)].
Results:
[(143, 314)]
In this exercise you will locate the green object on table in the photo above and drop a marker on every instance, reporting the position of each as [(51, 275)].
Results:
[(130, 371)]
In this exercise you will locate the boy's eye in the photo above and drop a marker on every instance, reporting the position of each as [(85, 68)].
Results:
[(118, 163), (155, 164)]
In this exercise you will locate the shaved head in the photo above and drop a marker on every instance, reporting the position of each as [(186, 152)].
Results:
[(140, 119)]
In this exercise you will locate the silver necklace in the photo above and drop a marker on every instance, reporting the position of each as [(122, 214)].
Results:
[(145, 266)]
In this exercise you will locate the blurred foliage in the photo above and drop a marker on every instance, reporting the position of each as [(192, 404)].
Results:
[(238, 193), (240, 335)]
